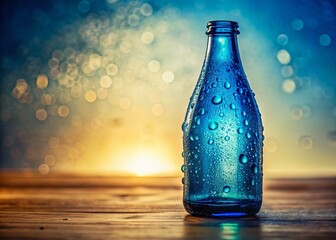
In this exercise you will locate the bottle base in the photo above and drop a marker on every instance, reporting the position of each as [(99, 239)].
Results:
[(222, 209)]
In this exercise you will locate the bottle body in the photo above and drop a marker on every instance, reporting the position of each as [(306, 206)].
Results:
[(222, 134)]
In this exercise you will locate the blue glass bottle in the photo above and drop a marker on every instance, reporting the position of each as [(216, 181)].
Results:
[(222, 134)]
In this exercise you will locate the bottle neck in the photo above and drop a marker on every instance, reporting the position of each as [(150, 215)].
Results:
[(223, 48), (222, 42)]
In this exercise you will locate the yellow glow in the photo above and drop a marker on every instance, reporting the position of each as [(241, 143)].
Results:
[(105, 81), (47, 99), (63, 111), (76, 90), (283, 56), (168, 76), (147, 37), (154, 66), (44, 169), (288, 85), (102, 93), (125, 103), (157, 109), (145, 162), (94, 61), (90, 96), (112, 70), (42, 81), (21, 85), (41, 114)]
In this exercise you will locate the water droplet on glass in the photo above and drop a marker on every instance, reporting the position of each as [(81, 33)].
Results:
[(240, 90), (216, 99), (213, 125), (244, 113), (232, 106), (191, 138), (227, 85), (183, 168), (243, 159), (196, 138), (210, 141), (226, 138), (226, 189), (213, 193), (252, 182), (201, 111), (182, 154), (201, 97), (184, 126), (197, 120), (221, 114), (183, 180), (196, 156), (248, 135), (254, 169), (213, 85), (240, 130), (246, 122)]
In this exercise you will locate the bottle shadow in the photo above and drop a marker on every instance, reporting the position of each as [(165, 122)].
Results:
[(222, 228)]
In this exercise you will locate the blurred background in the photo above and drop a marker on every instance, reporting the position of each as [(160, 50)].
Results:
[(102, 86)]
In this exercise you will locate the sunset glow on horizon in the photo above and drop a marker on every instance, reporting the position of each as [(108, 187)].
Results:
[(146, 163)]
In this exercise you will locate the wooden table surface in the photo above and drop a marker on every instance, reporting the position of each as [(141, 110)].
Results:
[(78, 207)]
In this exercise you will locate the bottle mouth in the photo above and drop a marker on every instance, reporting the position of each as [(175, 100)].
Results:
[(222, 27)]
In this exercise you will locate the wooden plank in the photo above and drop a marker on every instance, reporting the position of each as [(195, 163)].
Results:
[(90, 207)]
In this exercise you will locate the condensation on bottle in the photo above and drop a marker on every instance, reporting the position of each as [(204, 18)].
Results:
[(222, 134)]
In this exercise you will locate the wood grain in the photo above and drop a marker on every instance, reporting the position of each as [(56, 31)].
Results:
[(88, 207)]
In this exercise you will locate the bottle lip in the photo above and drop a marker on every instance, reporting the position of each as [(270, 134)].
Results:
[(222, 27)]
